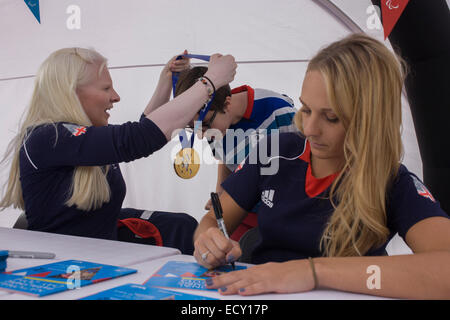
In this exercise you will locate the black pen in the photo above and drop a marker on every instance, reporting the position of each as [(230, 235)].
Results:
[(218, 212)]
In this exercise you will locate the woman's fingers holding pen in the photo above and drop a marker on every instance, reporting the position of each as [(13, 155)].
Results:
[(213, 249), (228, 248), (207, 254), (201, 254), (235, 252), (217, 245)]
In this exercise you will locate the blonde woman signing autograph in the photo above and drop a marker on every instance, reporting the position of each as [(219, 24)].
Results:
[(340, 193)]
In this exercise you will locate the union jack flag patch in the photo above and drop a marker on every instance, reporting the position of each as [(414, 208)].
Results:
[(422, 190), (75, 129), (239, 167)]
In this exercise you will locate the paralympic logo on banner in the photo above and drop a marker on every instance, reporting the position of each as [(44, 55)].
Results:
[(391, 11)]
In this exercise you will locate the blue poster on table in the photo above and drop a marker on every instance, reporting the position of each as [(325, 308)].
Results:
[(186, 275), (59, 276), (133, 291), (3, 258)]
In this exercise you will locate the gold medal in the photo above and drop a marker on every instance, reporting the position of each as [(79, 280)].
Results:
[(187, 163)]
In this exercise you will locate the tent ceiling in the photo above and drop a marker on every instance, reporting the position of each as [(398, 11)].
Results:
[(147, 32)]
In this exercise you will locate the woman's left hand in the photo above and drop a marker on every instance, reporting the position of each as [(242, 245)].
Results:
[(285, 277)]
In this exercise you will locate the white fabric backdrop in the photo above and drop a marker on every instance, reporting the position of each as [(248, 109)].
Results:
[(142, 32)]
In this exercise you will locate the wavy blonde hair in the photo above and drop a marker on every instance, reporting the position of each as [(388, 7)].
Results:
[(364, 82), (55, 100)]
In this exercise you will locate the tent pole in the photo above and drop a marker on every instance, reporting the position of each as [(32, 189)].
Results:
[(329, 6)]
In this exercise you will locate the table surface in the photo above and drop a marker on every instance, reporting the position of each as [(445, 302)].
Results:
[(150, 267), (80, 248), (145, 259)]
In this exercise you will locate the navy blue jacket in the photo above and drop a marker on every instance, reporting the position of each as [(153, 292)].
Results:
[(295, 209), (49, 156)]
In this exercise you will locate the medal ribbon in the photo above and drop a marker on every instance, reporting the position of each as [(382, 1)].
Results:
[(185, 143)]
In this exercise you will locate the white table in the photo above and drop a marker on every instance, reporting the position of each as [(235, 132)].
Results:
[(150, 267), (80, 248), (66, 247), (82, 292), (145, 259)]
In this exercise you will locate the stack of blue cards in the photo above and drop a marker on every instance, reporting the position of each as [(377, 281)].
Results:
[(3, 257)]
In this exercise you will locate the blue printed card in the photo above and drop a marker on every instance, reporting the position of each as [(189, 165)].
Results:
[(4, 254), (186, 275), (59, 276), (133, 291), (3, 258)]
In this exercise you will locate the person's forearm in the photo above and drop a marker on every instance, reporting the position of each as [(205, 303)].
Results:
[(418, 276), (160, 96), (177, 113), (222, 173), (207, 222)]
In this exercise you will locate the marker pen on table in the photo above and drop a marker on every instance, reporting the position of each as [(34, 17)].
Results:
[(30, 255), (218, 212)]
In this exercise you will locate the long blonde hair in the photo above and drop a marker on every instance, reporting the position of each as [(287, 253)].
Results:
[(364, 82), (55, 100)]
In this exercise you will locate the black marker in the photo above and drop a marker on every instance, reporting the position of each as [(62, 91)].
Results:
[(218, 212)]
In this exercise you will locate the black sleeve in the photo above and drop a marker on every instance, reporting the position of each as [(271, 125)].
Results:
[(66, 144), (243, 185), (410, 202)]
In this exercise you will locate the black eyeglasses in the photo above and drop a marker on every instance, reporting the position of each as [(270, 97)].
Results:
[(205, 124)]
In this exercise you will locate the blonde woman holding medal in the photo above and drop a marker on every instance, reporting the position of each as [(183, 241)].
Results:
[(340, 194), (64, 171)]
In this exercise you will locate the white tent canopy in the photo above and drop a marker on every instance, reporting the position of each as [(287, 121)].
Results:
[(271, 40)]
